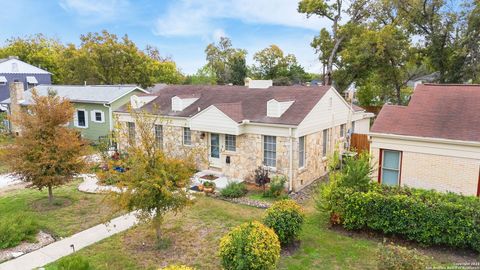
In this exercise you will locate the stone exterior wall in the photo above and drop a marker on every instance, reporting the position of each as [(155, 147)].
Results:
[(249, 154), (442, 173)]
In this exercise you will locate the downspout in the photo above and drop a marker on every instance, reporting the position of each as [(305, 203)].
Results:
[(110, 121), (290, 169)]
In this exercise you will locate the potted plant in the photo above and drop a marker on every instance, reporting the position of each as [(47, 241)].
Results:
[(200, 187), (208, 187)]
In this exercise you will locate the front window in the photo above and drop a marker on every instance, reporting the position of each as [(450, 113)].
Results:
[(325, 142), (230, 142), (131, 132), (81, 118), (159, 135), (270, 151), (301, 152), (98, 117), (187, 136), (390, 170)]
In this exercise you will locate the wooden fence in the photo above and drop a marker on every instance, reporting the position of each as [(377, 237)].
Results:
[(359, 143)]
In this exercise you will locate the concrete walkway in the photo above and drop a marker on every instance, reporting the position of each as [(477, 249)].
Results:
[(59, 249), (90, 185)]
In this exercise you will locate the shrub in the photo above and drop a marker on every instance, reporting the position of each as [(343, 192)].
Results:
[(286, 218), (234, 190), (276, 187), (250, 246), (17, 228), (427, 217), (74, 263), (392, 257), (261, 176), (178, 267)]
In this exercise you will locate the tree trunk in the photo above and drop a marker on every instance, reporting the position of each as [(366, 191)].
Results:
[(331, 58), (50, 195), (157, 223)]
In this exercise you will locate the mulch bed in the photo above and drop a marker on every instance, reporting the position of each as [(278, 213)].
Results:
[(42, 204)]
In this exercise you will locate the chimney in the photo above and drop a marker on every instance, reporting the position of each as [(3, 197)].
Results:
[(17, 95)]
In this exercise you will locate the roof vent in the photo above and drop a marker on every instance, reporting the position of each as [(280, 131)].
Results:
[(261, 84), (277, 108), (180, 103)]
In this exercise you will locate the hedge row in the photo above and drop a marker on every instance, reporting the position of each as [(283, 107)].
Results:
[(427, 217)]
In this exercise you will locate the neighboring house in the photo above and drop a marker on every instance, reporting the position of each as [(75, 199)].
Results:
[(433, 143), (93, 104), (292, 130), (14, 70)]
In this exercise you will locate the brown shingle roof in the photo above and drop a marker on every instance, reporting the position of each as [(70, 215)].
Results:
[(239, 102), (436, 111)]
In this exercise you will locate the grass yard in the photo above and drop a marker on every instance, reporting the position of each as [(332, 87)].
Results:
[(194, 234), (81, 210)]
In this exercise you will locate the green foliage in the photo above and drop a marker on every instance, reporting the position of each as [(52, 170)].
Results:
[(17, 228), (392, 257), (74, 262), (203, 76), (227, 63), (356, 172), (427, 217), (234, 190), (276, 187), (178, 267), (286, 218), (101, 58), (271, 63), (250, 246)]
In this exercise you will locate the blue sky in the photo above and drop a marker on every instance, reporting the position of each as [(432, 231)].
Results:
[(180, 29)]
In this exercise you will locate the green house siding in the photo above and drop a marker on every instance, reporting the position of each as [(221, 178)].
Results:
[(94, 130)]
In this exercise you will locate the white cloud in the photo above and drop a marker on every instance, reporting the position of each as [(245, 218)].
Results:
[(96, 11), (218, 33), (199, 18)]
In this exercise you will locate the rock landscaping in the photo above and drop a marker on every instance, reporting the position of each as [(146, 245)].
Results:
[(42, 240)]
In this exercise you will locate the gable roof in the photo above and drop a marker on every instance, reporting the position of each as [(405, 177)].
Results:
[(448, 111), (15, 66), (239, 102), (79, 93)]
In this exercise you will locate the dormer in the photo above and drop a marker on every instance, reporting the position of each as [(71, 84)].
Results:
[(179, 103), (277, 108), (137, 102)]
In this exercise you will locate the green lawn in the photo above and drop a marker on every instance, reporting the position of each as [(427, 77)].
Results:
[(194, 235), (83, 210)]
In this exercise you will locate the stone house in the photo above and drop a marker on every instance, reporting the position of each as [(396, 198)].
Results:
[(433, 143), (94, 104), (292, 130)]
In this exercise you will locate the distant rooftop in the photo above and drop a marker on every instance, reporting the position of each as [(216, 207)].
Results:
[(13, 65), (79, 93)]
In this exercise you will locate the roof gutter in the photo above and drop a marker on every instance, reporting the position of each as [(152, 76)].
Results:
[(424, 139)]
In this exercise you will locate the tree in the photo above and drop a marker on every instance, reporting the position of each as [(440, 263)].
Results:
[(155, 182), (221, 58), (272, 64), (238, 68), (442, 30), (47, 153), (203, 76), (337, 13)]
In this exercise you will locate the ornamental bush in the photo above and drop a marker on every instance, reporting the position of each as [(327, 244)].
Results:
[(286, 218), (74, 263), (250, 246), (234, 190), (276, 187), (392, 257), (17, 228), (427, 217)]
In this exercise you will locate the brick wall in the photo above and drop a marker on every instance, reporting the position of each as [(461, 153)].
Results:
[(442, 173)]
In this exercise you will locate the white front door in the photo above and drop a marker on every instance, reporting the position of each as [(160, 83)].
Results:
[(215, 149)]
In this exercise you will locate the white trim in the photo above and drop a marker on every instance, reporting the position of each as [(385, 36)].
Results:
[(424, 139), (75, 118), (94, 116)]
